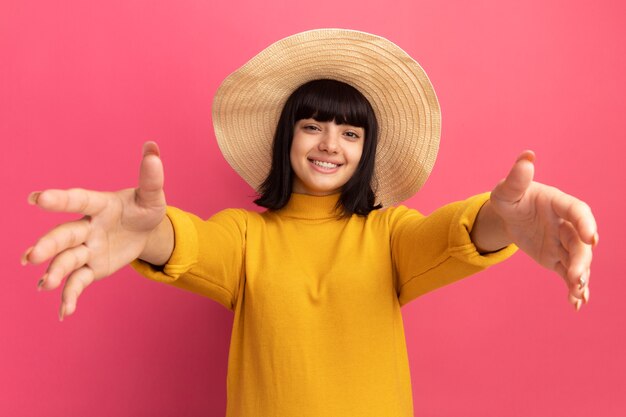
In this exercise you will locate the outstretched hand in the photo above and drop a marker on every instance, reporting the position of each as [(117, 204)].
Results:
[(555, 229), (114, 230)]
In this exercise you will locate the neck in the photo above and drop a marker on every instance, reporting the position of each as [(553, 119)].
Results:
[(305, 206)]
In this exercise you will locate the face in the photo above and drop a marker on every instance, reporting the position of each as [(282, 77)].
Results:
[(324, 156)]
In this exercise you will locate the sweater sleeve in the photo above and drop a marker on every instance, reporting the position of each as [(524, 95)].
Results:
[(429, 252), (208, 255)]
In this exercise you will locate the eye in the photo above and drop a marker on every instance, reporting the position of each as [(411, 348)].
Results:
[(353, 135), (310, 127)]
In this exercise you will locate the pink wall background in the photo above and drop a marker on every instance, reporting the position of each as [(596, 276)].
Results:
[(83, 84)]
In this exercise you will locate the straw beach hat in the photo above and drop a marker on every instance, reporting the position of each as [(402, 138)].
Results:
[(247, 105)]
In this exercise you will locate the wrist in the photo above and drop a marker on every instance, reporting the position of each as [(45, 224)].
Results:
[(160, 244), (488, 233)]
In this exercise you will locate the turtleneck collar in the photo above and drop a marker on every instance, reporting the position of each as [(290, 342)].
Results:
[(310, 207)]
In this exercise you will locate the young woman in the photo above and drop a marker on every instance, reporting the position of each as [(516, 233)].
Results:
[(316, 282)]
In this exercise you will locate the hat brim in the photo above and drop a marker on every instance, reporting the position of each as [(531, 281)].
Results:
[(248, 104)]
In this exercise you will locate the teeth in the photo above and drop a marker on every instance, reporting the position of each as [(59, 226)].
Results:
[(325, 164)]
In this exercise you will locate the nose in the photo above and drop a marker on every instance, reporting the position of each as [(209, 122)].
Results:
[(330, 141)]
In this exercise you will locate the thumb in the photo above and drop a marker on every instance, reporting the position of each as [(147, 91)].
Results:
[(512, 188), (150, 190)]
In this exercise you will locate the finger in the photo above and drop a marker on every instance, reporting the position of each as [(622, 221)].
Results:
[(581, 293), (74, 286), (562, 271), (585, 288), (513, 187), (64, 264), (580, 256), (62, 237), (74, 200), (586, 295), (564, 256), (150, 190), (576, 302), (574, 298), (579, 214)]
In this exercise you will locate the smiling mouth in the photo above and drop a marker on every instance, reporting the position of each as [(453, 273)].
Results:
[(326, 165)]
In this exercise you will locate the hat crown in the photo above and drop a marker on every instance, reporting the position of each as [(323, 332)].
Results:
[(249, 101)]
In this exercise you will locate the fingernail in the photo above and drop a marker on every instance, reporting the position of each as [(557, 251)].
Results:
[(24, 259), (32, 197), (578, 304), (527, 155), (582, 281), (153, 152), (61, 312), (586, 295), (41, 282)]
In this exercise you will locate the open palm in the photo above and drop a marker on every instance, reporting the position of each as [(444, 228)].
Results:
[(555, 229), (113, 231)]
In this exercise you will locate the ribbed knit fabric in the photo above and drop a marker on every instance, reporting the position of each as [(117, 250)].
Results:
[(318, 329)]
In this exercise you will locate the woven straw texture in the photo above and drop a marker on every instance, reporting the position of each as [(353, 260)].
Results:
[(247, 105)]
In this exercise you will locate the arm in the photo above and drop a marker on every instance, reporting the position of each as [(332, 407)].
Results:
[(160, 244), (207, 256), (116, 228), (555, 229), (433, 251)]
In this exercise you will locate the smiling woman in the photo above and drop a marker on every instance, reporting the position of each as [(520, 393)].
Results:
[(324, 121), (324, 156), (316, 282)]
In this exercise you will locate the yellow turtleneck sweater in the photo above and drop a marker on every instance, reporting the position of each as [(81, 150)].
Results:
[(317, 329)]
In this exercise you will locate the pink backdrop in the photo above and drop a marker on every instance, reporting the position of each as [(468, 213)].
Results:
[(84, 83)]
